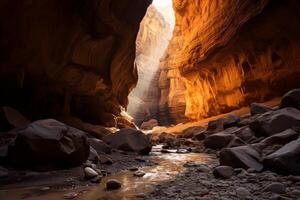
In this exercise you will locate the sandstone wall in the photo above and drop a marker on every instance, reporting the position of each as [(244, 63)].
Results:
[(69, 57), (153, 38), (226, 54)]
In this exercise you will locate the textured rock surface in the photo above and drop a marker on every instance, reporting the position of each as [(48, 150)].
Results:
[(47, 144), (277, 121), (69, 57), (286, 160), (257, 60), (129, 140), (152, 41), (241, 157)]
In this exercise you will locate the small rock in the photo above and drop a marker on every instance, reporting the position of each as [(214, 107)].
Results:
[(90, 173), (139, 173), (242, 193), (44, 189), (203, 169), (276, 188), (113, 184), (295, 193), (223, 172), (96, 179), (133, 169), (251, 170), (71, 195)]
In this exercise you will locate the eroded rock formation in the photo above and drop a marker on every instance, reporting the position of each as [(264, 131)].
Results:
[(226, 54), (152, 41), (69, 57)]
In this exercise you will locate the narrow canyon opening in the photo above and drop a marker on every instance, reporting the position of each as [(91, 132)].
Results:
[(155, 33), (211, 88)]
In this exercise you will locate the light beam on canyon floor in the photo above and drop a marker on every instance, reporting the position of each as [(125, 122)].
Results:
[(153, 38)]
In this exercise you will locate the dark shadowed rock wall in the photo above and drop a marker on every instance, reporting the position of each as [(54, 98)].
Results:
[(69, 57)]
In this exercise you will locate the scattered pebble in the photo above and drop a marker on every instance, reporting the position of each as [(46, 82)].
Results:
[(113, 184), (71, 195), (224, 172), (242, 193), (276, 188), (90, 173), (139, 173)]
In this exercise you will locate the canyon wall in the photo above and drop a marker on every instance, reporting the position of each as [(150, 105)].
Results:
[(69, 57), (227, 54), (152, 41)]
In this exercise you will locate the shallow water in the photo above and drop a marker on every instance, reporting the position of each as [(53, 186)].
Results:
[(167, 167)]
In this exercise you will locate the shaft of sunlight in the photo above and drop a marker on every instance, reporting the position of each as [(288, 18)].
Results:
[(155, 33)]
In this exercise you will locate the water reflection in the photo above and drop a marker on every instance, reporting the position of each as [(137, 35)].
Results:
[(168, 166)]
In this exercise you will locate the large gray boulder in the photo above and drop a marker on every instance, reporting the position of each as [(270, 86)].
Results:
[(100, 146), (218, 140), (291, 99), (128, 139), (241, 157), (47, 143), (256, 108), (285, 160), (277, 121), (280, 138)]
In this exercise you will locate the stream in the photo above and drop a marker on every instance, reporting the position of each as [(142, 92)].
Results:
[(167, 167)]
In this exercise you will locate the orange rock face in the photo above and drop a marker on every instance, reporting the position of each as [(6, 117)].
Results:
[(69, 57), (152, 41), (226, 54)]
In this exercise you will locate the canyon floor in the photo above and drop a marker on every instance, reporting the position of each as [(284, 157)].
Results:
[(180, 166)]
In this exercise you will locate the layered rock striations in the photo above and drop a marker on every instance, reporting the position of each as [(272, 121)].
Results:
[(69, 57), (226, 54), (153, 38)]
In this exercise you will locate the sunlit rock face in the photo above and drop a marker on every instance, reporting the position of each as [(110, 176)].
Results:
[(152, 41), (226, 54), (69, 57)]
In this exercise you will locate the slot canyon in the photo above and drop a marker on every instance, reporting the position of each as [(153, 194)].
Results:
[(149, 99)]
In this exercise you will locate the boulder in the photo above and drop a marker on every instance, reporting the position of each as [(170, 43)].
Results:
[(216, 125), (10, 119), (285, 160), (192, 131), (231, 121), (93, 156), (48, 143), (129, 140), (218, 140), (96, 131), (199, 136), (241, 157), (236, 142), (277, 121), (281, 138), (100, 146), (256, 108), (223, 172), (244, 133), (148, 125), (291, 99)]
